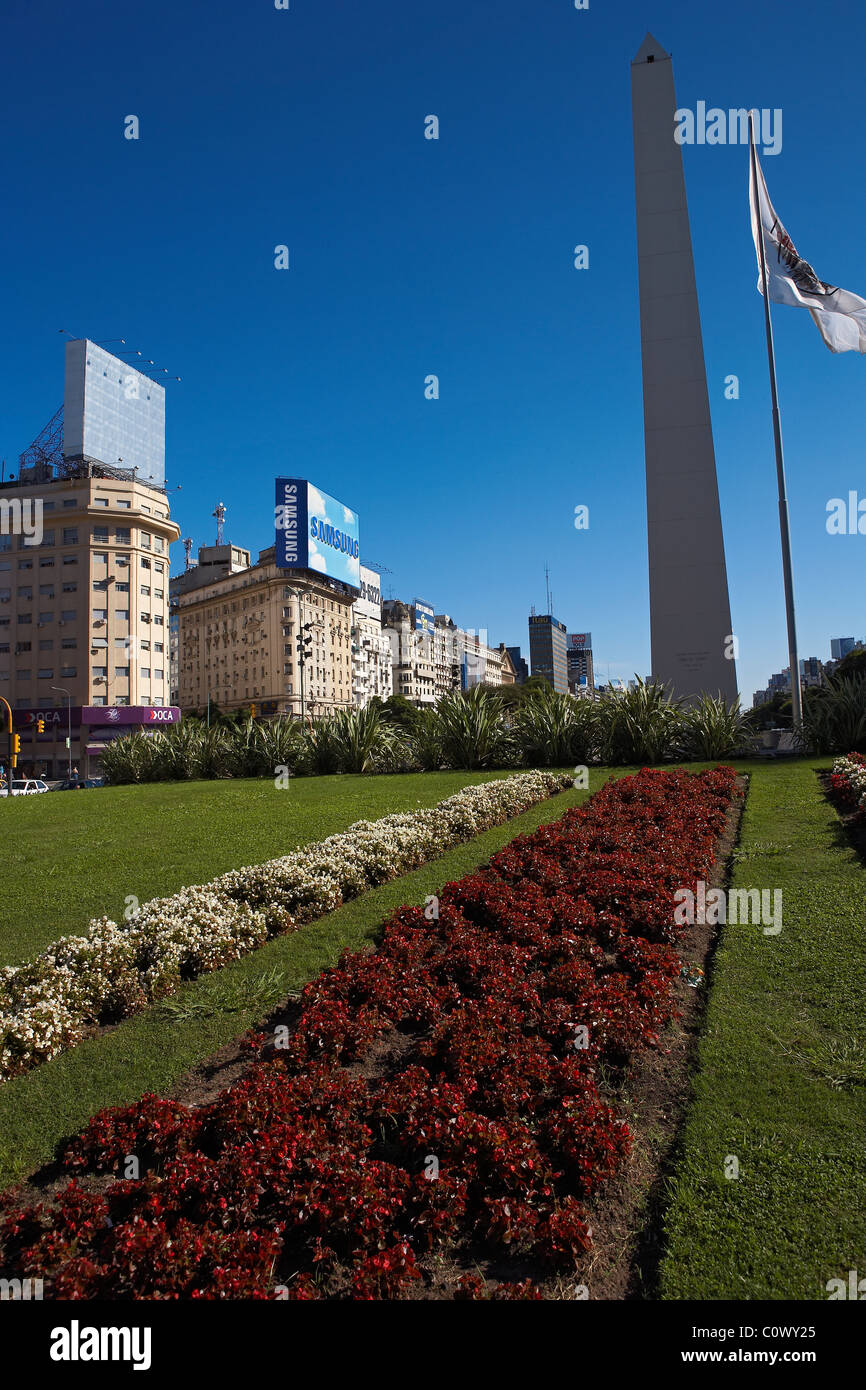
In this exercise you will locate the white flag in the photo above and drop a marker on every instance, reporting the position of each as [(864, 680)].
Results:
[(840, 315)]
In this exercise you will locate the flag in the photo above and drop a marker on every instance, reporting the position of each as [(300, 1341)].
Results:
[(840, 315)]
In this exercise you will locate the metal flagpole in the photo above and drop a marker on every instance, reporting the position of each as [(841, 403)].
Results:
[(784, 528)]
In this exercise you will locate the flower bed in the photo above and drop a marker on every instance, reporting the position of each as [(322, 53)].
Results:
[(435, 1097), (848, 780), (48, 1004)]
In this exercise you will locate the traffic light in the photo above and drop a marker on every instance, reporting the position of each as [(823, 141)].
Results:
[(252, 711), (40, 726), (16, 749)]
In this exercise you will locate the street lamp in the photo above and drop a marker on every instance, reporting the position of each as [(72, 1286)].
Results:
[(304, 644), (65, 692)]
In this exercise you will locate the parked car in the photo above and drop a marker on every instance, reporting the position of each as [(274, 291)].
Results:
[(78, 784), (24, 786)]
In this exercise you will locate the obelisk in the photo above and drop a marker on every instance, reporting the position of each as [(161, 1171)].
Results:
[(690, 613)]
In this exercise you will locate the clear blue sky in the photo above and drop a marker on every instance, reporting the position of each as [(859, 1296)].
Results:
[(409, 257)]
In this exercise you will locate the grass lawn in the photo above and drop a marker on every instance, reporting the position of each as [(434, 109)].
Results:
[(67, 858), (152, 1050), (781, 1082)]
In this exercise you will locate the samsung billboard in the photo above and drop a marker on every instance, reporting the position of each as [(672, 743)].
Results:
[(113, 414), (316, 532)]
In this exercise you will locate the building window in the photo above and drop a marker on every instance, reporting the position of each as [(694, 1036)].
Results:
[(70, 588), (121, 587), (46, 590), (70, 501), (70, 559), (145, 540), (100, 615), (122, 672), (46, 673), (46, 617), (99, 672), (100, 501), (68, 643), (123, 535), (145, 590), (158, 674), (70, 535), (68, 671), (122, 614), (68, 615), (100, 557), (100, 533), (145, 673)]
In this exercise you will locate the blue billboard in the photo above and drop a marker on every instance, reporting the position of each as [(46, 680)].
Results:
[(316, 532), (424, 616)]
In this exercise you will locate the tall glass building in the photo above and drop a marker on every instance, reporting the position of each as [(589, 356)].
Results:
[(547, 650)]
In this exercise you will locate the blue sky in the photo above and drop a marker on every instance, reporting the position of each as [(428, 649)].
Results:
[(409, 257)]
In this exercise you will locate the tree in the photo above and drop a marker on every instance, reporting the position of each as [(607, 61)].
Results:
[(854, 664)]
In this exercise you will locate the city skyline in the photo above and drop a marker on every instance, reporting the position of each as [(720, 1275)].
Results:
[(411, 257)]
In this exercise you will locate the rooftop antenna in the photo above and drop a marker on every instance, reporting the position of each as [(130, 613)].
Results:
[(187, 550), (547, 587), (220, 514)]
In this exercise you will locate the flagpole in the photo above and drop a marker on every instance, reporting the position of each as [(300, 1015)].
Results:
[(784, 527)]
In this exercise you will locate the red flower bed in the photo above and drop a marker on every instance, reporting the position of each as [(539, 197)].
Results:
[(486, 1137)]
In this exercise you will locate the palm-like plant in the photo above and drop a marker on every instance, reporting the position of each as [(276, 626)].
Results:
[(555, 729), (364, 740), (714, 729), (639, 725), (426, 740), (473, 731), (834, 720)]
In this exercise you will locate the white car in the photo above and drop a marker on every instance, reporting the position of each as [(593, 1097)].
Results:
[(25, 786)]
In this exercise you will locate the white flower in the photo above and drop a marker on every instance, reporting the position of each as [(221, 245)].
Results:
[(47, 1004)]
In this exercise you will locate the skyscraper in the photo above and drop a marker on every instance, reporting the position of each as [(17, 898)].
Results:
[(581, 671), (690, 618), (547, 651)]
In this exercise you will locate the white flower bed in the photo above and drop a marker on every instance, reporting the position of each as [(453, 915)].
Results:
[(854, 772), (48, 1004)]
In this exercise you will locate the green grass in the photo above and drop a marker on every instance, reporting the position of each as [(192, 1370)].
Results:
[(67, 857), (151, 1051), (780, 1081)]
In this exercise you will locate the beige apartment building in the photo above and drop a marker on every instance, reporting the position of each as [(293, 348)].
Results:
[(83, 611), (237, 637)]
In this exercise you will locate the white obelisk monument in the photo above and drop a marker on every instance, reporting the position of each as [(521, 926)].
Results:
[(690, 613)]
